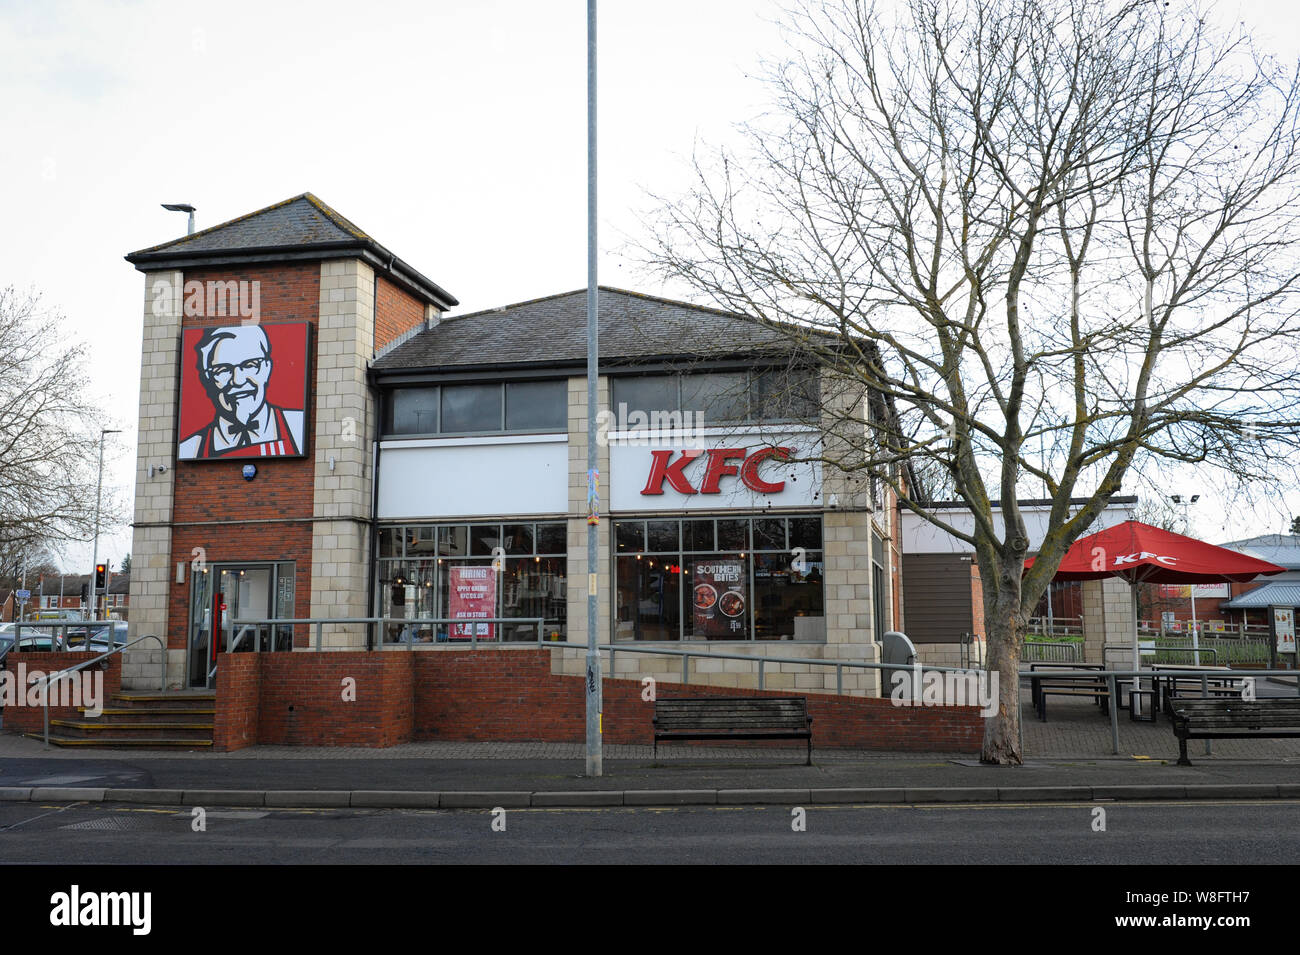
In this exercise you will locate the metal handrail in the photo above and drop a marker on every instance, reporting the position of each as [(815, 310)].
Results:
[(321, 622), (61, 638), (57, 675)]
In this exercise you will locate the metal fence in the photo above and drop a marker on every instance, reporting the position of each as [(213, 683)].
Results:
[(1044, 651)]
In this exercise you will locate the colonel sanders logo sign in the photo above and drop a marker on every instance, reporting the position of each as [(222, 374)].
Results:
[(244, 392)]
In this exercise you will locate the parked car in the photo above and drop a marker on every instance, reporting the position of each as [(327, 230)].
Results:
[(99, 633)]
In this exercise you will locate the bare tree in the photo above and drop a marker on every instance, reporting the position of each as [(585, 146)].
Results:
[(49, 433), (1058, 235)]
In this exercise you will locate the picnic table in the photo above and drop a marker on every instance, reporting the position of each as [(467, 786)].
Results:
[(1044, 683)]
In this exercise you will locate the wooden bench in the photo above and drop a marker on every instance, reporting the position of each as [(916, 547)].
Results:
[(1195, 718), (690, 718)]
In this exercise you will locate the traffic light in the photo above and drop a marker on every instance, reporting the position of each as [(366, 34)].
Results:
[(101, 577), (85, 593)]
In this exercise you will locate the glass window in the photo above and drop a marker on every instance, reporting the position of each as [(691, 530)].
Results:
[(698, 535), (517, 538), (537, 406), (482, 538), (726, 592), (390, 542), (878, 598), (733, 535), (629, 537), (645, 393), (530, 584), (806, 532), (718, 397), (551, 538), (788, 597), (534, 587), (785, 394), (663, 536), (421, 540), (769, 533), (648, 599), (413, 411), (467, 408), (453, 541)]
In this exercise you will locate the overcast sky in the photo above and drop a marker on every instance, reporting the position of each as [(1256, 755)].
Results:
[(453, 132)]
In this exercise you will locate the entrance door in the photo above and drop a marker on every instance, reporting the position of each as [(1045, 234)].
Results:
[(224, 595)]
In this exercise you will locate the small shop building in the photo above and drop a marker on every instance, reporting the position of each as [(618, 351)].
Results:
[(319, 439)]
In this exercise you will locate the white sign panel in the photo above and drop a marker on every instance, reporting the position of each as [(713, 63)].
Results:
[(728, 470), (473, 477)]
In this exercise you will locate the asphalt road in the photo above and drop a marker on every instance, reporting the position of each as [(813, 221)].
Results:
[(1225, 833)]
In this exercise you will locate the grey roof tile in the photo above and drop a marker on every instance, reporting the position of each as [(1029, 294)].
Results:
[(554, 330), (301, 221)]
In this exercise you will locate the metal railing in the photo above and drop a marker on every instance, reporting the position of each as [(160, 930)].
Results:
[(42, 628), (320, 623), (52, 678), (613, 649), (1043, 651)]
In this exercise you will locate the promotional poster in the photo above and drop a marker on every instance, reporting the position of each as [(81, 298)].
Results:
[(719, 598)]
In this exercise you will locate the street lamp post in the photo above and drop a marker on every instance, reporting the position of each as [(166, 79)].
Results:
[(94, 556), (1191, 588)]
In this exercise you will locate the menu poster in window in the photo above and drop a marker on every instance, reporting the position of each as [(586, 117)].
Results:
[(720, 599), (473, 596), (1284, 629)]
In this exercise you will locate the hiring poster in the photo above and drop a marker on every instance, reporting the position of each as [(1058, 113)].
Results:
[(719, 598), (473, 597)]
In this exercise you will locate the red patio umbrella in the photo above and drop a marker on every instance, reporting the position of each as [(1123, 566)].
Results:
[(1140, 553)]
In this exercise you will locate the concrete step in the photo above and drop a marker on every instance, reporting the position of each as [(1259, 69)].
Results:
[(182, 701), (93, 729), (140, 742), (150, 715)]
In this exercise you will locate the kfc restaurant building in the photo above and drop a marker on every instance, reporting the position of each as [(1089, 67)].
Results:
[(332, 445)]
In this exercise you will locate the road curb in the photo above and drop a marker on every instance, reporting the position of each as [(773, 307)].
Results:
[(577, 799)]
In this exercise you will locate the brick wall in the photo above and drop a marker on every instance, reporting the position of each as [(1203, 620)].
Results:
[(283, 491), (247, 544), (31, 719), (396, 313), (297, 699), (512, 695), (239, 686), (509, 694)]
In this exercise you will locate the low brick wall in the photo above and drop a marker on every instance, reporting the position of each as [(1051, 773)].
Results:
[(239, 687), (24, 667), (510, 695), (313, 699)]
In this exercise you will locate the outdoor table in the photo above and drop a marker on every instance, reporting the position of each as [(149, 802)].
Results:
[(1034, 681), (1037, 675), (1216, 683)]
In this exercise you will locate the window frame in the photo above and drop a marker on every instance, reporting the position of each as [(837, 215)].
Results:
[(389, 394), (752, 377), (681, 556)]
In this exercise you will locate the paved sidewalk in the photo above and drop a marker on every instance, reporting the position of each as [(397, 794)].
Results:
[(1067, 758)]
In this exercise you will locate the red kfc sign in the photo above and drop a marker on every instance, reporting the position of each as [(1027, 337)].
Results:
[(664, 468)]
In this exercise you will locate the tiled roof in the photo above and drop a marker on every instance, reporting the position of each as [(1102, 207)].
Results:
[(554, 330), (301, 221), (303, 227)]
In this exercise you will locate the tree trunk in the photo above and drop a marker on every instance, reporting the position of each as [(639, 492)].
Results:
[(1005, 632)]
